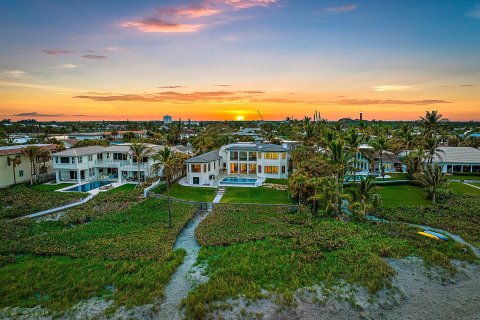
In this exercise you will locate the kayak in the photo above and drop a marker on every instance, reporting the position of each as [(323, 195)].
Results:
[(428, 235), (436, 234)]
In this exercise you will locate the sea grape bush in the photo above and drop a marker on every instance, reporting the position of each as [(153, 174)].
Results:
[(21, 200)]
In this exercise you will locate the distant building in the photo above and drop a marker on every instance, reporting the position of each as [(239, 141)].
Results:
[(458, 159), (167, 119)]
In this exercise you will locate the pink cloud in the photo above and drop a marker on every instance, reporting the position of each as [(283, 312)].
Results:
[(245, 4), (55, 52), (190, 18), (151, 25)]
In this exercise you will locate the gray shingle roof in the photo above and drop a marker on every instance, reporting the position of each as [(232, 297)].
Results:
[(264, 147), (458, 155), (206, 157), (82, 151)]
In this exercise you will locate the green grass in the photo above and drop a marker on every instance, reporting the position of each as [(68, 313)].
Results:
[(460, 215), (247, 249), (277, 181), (21, 200), (463, 188), (123, 255), (256, 195), (51, 187), (462, 177), (395, 176), (198, 194), (124, 187), (403, 195)]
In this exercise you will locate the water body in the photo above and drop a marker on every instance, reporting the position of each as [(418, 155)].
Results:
[(182, 281)]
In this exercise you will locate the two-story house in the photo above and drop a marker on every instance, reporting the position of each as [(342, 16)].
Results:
[(97, 162), (255, 160)]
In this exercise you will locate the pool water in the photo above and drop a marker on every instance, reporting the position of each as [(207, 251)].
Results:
[(237, 180), (89, 186)]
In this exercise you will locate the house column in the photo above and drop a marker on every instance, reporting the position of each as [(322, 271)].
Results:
[(78, 177), (57, 176)]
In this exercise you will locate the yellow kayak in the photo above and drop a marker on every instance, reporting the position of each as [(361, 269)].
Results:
[(428, 235)]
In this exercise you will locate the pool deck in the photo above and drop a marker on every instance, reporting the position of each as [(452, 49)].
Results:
[(220, 177)]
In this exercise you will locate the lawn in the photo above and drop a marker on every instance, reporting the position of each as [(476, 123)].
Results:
[(277, 181), (198, 194), (51, 187), (460, 215), (403, 195), (125, 255), (250, 249), (21, 200), (124, 187), (460, 187), (256, 195), (463, 177), (395, 176)]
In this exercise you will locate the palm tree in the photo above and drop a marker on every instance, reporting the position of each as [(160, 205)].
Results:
[(326, 194), (380, 145), (340, 159), (353, 141), (113, 134), (14, 162), (167, 161), (366, 189), (32, 153), (203, 143), (298, 185), (139, 151), (431, 122), (432, 149), (431, 178), (414, 161)]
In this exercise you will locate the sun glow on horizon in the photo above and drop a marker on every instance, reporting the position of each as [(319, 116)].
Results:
[(239, 118)]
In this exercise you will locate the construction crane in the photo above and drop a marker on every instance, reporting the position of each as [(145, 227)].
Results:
[(260, 115)]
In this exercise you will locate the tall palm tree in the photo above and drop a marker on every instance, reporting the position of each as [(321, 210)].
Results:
[(139, 150), (353, 140), (431, 122), (432, 149), (326, 194), (167, 161), (431, 178), (14, 162), (380, 145), (339, 158), (203, 143), (32, 153)]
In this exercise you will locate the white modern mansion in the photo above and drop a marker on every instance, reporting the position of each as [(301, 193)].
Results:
[(97, 162), (259, 160)]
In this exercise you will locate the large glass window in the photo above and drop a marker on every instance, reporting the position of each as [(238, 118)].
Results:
[(270, 155), (196, 167), (243, 156), (271, 169), (233, 168), (252, 168)]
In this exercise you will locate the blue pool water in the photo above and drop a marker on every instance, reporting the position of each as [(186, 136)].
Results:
[(237, 180), (89, 186)]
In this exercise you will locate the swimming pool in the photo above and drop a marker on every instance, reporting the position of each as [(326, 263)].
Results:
[(89, 186), (239, 181)]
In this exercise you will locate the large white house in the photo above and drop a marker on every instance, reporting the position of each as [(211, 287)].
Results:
[(259, 160), (97, 162)]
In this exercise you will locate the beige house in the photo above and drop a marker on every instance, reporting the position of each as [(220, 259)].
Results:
[(21, 172)]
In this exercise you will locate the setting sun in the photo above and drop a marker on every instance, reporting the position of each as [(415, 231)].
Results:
[(239, 118)]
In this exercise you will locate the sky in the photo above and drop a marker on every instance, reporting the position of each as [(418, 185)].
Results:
[(228, 59)]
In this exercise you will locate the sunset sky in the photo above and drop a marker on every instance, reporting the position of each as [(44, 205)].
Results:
[(226, 59)]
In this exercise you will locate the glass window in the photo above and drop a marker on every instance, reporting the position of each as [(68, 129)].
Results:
[(80, 159), (20, 173), (196, 167), (284, 155), (271, 169), (270, 155), (283, 169)]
